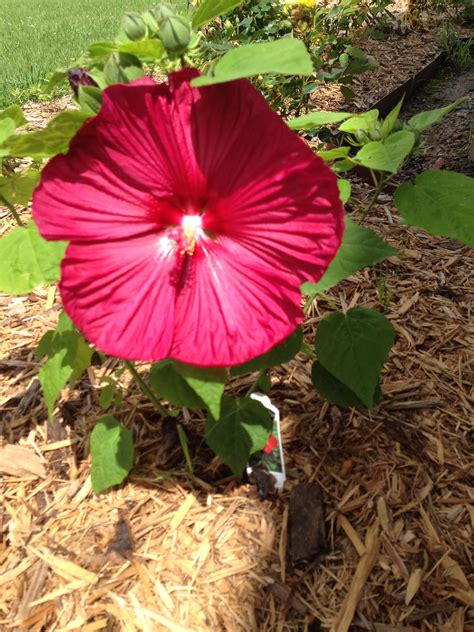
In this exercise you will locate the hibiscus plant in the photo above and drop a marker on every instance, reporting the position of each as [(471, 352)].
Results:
[(185, 221)]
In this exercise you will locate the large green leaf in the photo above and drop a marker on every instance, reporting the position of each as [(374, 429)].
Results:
[(69, 355), (111, 454), (360, 122), (90, 99), (7, 127), (353, 347), (149, 49), (345, 189), (317, 119), (15, 113), (285, 57), (440, 202), (189, 386), (389, 154), (18, 188), (28, 260), (334, 390), (170, 385), (242, 430), (329, 155), (281, 353), (423, 120), (208, 384), (360, 247), (52, 140), (210, 9)]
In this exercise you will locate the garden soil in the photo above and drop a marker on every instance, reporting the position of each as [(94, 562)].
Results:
[(173, 551)]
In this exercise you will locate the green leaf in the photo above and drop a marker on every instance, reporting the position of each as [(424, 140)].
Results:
[(360, 122), (100, 50), (317, 119), (7, 128), (55, 79), (210, 9), (345, 188), (360, 247), (389, 154), (392, 118), (285, 57), (111, 454), (424, 120), (208, 384), (18, 188), (52, 140), (28, 260), (170, 385), (335, 391), (15, 113), (90, 99), (281, 353), (242, 430), (69, 355), (353, 347), (189, 386), (149, 49), (440, 202), (333, 154)]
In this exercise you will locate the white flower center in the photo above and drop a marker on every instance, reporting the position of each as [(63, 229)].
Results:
[(191, 223)]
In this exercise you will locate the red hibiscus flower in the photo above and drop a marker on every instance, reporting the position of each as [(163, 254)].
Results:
[(193, 216)]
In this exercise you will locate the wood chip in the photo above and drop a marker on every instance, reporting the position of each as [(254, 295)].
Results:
[(17, 460)]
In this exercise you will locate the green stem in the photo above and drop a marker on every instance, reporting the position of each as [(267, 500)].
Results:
[(254, 386), (372, 202), (12, 210), (146, 390)]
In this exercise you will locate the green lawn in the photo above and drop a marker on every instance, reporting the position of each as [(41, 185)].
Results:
[(37, 36)]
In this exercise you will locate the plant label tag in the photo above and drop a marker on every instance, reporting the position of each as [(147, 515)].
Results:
[(267, 467)]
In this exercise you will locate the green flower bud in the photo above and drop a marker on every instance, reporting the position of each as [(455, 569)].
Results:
[(162, 11), (150, 20), (376, 132), (133, 26), (175, 33), (361, 136)]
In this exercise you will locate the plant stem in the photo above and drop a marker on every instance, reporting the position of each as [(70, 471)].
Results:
[(183, 439), (146, 390), (372, 202), (254, 386), (12, 210)]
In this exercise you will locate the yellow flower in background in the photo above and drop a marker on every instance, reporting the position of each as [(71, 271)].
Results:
[(304, 3)]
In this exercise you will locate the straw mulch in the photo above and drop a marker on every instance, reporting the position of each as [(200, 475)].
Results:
[(171, 551)]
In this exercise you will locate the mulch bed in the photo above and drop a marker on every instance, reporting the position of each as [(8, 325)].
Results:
[(171, 551)]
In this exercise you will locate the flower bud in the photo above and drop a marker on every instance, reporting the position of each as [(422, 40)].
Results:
[(133, 26), (79, 77), (163, 11), (175, 33), (376, 132)]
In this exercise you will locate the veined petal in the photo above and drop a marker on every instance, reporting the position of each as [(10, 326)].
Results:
[(267, 187), (122, 294), (240, 306)]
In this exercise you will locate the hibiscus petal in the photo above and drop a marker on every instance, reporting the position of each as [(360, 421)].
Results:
[(121, 295), (231, 306), (129, 171), (268, 189)]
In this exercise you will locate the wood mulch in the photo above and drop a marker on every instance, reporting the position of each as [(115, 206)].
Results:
[(171, 551)]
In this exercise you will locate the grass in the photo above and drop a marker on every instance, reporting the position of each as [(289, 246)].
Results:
[(38, 36)]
